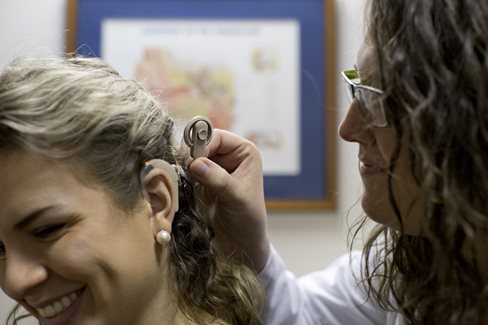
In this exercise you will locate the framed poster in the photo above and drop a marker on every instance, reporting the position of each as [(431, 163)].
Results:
[(263, 69)]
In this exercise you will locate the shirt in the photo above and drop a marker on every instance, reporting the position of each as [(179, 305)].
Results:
[(330, 296)]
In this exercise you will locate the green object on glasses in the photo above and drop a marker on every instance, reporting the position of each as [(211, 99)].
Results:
[(370, 99), (351, 74)]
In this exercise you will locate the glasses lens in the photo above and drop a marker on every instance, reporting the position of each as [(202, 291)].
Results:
[(369, 99), (349, 89), (372, 102)]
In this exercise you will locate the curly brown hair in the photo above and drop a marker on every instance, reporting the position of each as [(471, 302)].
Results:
[(81, 110), (433, 67)]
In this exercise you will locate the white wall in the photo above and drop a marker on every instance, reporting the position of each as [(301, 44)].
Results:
[(307, 241)]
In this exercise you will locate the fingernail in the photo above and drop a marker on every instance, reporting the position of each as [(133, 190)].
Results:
[(199, 168)]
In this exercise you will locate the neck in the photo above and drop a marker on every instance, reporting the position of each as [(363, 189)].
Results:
[(162, 308)]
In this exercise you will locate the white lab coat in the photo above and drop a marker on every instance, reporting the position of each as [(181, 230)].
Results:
[(330, 296)]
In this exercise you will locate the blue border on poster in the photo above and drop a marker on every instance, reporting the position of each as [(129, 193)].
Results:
[(311, 183)]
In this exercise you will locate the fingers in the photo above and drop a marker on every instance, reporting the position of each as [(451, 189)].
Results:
[(230, 150), (210, 175), (233, 164), (223, 142)]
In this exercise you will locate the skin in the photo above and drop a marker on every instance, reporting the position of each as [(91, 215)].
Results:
[(376, 148), (81, 242)]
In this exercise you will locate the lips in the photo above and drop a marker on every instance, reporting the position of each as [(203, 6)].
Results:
[(368, 167)]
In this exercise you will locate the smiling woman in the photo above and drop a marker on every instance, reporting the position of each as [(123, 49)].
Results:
[(94, 229)]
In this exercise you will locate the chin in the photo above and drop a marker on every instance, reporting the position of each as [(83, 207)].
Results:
[(379, 211)]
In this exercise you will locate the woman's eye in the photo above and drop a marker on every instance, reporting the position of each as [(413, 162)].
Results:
[(48, 231), (2, 251)]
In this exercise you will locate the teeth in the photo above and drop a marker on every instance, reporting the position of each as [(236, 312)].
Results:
[(58, 306), (66, 301)]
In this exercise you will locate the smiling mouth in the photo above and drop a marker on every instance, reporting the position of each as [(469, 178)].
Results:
[(366, 164), (59, 306), (367, 168)]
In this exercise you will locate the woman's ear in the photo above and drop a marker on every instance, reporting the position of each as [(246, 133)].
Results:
[(160, 185)]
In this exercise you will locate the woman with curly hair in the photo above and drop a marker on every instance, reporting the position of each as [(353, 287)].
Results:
[(419, 114), (99, 222)]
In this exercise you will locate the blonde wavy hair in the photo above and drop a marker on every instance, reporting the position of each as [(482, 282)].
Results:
[(84, 112)]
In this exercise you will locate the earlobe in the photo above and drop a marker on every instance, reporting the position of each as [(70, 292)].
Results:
[(160, 185)]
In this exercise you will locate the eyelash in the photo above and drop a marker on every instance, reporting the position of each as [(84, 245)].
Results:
[(44, 232), (48, 231)]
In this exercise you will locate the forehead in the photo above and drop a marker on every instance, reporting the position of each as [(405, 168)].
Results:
[(366, 62)]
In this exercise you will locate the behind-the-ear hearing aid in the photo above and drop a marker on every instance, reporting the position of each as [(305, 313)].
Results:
[(169, 169), (197, 134)]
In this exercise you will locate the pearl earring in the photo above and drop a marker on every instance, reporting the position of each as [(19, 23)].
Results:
[(163, 237)]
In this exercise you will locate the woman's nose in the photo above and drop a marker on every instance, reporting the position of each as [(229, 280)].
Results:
[(21, 273), (353, 127)]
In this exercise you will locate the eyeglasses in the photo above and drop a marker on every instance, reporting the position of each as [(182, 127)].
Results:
[(369, 98)]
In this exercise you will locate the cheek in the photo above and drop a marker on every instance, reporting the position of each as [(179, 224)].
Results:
[(93, 247), (78, 256), (386, 140), (111, 263), (375, 201), (103, 250)]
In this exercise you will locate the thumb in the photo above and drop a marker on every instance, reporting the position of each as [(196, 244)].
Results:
[(210, 175)]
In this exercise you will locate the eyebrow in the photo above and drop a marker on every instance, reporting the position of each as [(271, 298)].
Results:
[(357, 70), (365, 81), (31, 217)]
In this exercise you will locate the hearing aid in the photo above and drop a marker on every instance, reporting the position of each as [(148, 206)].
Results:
[(197, 134), (170, 170)]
